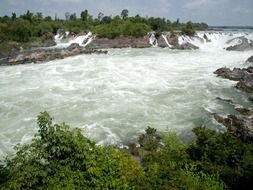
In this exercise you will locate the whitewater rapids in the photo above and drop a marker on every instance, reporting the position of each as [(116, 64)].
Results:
[(114, 97)]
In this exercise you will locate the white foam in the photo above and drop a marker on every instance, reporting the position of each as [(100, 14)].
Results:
[(79, 40), (165, 39), (153, 40)]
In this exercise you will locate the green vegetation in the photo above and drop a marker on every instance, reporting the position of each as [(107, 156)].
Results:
[(32, 27), (60, 157), (188, 29)]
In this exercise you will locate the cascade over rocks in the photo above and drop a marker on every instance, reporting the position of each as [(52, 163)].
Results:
[(171, 40), (244, 45)]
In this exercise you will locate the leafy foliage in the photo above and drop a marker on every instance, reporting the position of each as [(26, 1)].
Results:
[(60, 157), (188, 29), (224, 154), (29, 26)]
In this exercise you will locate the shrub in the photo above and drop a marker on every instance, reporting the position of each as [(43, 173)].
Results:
[(62, 158), (224, 154)]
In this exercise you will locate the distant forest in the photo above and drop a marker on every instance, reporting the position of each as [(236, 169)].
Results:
[(31, 26)]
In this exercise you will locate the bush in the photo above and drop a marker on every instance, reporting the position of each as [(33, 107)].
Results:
[(62, 158), (20, 30), (224, 154), (188, 29)]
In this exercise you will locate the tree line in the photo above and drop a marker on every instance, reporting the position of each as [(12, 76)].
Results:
[(30, 26)]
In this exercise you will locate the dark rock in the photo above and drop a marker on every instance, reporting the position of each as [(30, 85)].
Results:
[(225, 100), (73, 46), (161, 42), (245, 85), (244, 76), (250, 59), (206, 38), (244, 111), (121, 42), (239, 126), (40, 55)]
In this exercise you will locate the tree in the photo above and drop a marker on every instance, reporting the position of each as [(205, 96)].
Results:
[(124, 14), (188, 29), (48, 18), (177, 22), (84, 15), (28, 16), (106, 19), (14, 16), (39, 16), (72, 16), (67, 15), (100, 16)]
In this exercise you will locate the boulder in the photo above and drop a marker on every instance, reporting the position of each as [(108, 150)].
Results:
[(250, 59), (244, 76), (239, 126)]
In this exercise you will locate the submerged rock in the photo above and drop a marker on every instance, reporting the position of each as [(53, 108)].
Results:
[(187, 45)]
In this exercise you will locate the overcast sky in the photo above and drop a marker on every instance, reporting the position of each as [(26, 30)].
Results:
[(212, 12)]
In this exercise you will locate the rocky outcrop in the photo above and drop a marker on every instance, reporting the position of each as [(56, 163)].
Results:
[(244, 76), (239, 126), (40, 55), (250, 59), (244, 45), (120, 42), (172, 39), (142, 42)]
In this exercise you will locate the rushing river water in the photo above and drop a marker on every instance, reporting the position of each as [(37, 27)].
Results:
[(114, 97)]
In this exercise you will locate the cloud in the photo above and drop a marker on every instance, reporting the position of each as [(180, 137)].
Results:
[(165, 6), (64, 1), (241, 10), (196, 4)]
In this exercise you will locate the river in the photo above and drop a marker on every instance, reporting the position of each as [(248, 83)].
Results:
[(114, 97)]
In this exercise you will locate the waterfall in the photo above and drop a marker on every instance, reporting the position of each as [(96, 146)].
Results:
[(216, 40), (166, 40), (82, 40), (153, 40), (90, 39)]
